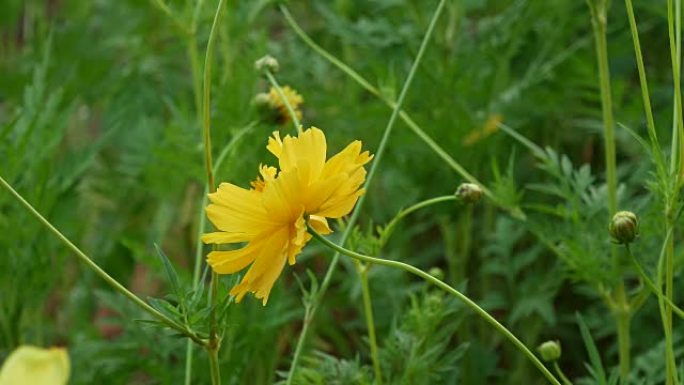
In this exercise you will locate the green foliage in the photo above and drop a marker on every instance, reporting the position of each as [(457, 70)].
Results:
[(100, 132)]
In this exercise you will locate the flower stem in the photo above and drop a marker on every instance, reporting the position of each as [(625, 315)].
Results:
[(565, 380), (371, 173), (442, 285), (643, 80), (417, 130), (362, 269), (651, 286), (621, 310), (214, 340), (389, 229), (676, 169), (281, 94), (100, 272)]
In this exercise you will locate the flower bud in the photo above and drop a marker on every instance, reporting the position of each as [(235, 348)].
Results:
[(267, 63), (262, 100), (550, 351), (469, 192), (436, 272), (624, 227)]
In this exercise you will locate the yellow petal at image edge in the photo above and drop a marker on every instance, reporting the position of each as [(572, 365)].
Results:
[(36, 366)]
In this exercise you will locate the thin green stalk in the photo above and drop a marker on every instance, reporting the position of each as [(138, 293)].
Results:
[(365, 84), (281, 94), (168, 12), (442, 285), (103, 274), (370, 324), (621, 309), (371, 173), (200, 230), (405, 212), (565, 380), (599, 22), (214, 339), (676, 169), (643, 80), (651, 286)]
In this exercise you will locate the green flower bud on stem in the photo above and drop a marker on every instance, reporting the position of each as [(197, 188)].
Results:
[(624, 227), (550, 351), (469, 192), (437, 273), (267, 63)]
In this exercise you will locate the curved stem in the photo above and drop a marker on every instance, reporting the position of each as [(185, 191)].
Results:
[(281, 94), (103, 274), (565, 380), (417, 130), (442, 285), (389, 229), (371, 173)]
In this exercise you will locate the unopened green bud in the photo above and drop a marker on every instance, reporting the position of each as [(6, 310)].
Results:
[(624, 227), (550, 351), (436, 272), (267, 63), (262, 100), (469, 192)]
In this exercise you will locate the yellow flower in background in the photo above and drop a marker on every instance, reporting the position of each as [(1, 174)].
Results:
[(271, 217), (488, 128), (292, 97), (30, 365)]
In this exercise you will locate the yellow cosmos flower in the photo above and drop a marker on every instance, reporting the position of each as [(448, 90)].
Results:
[(292, 97), (35, 366), (271, 217)]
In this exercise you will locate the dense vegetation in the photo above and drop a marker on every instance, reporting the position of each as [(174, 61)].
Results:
[(101, 130)]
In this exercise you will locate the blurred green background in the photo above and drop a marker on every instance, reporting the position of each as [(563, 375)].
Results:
[(99, 131)]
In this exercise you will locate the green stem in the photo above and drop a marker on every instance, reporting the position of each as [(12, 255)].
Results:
[(281, 94), (371, 173), (370, 324), (649, 283), (621, 312), (103, 274), (442, 285), (417, 130), (565, 380), (676, 169), (389, 229), (214, 369), (214, 339), (643, 80), (168, 12)]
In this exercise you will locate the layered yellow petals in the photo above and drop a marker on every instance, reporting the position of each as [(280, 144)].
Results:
[(293, 98), (269, 221), (35, 366)]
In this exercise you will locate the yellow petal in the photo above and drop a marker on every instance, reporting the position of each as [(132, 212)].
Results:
[(221, 237), (275, 145), (283, 197), (231, 261), (35, 366), (237, 210), (308, 147), (320, 224), (268, 265)]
